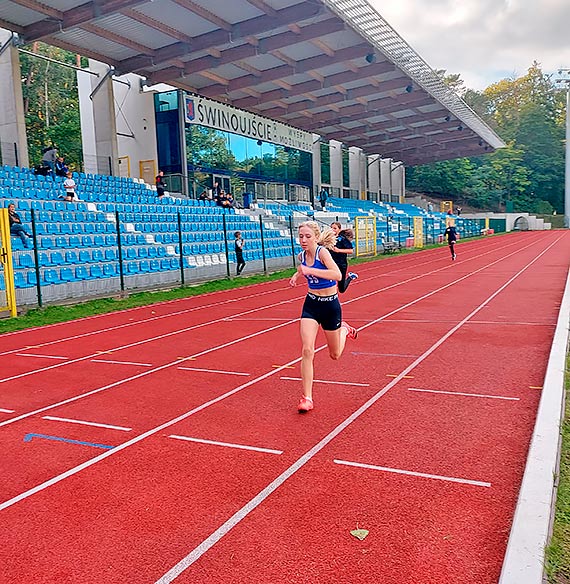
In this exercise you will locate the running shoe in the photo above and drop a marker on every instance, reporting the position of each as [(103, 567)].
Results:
[(352, 276), (305, 404), (352, 333), (453, 256)]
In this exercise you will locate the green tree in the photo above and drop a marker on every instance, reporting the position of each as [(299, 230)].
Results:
[(51, 103)]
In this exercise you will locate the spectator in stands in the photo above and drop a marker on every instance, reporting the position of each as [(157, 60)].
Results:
[(340, 252), (61, 168), (42, 170), (458, 211), (160, 184), (323, 197), (321, 307), (238, 245), (16, 227), (70, 186), (430, 207), (216, 190), (205, 195), (229, 203), (49, 157), (451, 235)]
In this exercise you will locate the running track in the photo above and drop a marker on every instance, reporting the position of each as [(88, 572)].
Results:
[(162, 443)]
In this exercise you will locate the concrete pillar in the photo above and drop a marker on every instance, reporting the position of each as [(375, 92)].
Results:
[(104, 118), (13, 140), (336, 168), (374, 175), (317, 178)]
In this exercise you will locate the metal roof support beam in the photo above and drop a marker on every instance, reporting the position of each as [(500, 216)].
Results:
[(254, 26), (74, 17), (233, 54), (357, 112), (286, 70), (41, 8), (329, 82)]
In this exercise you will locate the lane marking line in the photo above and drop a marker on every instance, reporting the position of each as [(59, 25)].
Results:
[(414, 473), (286, 366), (226, 444), (120, 362), (413, 278), (85, 423), (214, 371), (464, 393), (128, 324), (535, 387), (261, 496), (41, 356), (405, 376), (328, 381), (28, 438), (7, 411), (157, 338), (254, 502), (383, 354)]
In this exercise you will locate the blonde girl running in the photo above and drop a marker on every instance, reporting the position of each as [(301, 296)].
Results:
[(321, 306)]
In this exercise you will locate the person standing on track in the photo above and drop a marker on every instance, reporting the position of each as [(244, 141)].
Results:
[(451, 235), (321, 306), (340, 252)]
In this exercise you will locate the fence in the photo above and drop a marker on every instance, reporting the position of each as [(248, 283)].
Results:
[(118, 260)]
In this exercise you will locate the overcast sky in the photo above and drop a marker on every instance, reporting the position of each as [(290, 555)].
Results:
[(483, 40)]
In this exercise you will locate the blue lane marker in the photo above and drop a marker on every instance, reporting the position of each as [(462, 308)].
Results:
[(28, 438)]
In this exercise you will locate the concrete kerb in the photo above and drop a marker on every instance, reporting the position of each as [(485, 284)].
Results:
[(524, 558)]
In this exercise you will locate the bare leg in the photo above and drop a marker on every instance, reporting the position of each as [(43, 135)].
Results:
[(309, 330), (336, 341)]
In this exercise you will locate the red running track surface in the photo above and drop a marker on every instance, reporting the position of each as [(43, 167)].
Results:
[(419, 433)]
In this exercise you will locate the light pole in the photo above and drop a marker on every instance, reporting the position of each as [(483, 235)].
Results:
[(566, 80)]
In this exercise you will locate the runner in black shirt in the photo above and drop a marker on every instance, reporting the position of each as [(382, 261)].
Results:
[(451, 235), (340, 252)]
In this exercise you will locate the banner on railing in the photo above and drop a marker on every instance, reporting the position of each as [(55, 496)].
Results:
[(365, 236), (7, 290)]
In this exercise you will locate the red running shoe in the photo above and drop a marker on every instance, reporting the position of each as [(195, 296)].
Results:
[(305, 405), (352, 333)]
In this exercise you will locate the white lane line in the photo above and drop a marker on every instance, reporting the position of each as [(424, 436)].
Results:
[(7, 411), (329, 382), (121, 362), (232, 319), (85, 423), (41, 356), (128, 324), (258, 499), (213, 371), (206, 544), (158, 337), (226, 444), (383, 354), (464, 393), (152, 371), (413, 473)]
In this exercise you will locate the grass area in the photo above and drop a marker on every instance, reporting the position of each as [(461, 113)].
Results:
[(63, 313), (557, 561)]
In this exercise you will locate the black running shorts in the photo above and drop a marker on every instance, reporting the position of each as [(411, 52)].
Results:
[(324, 309)]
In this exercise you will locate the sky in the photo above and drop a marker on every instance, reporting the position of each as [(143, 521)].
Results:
[(483, 40)]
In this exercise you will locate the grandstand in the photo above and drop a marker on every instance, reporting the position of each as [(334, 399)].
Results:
[(81, 249)]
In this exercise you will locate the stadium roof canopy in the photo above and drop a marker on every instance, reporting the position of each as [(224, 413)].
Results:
[(334, 67)]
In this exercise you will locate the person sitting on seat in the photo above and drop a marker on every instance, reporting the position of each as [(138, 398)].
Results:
[(16, 227), (60, 167)]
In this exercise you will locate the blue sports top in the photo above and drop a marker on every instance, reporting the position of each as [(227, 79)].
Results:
[(316, 283)]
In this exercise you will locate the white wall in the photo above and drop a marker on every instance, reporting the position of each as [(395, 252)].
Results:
[(134, 121)]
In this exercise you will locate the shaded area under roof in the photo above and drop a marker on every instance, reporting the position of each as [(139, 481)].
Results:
[(334, 67)]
